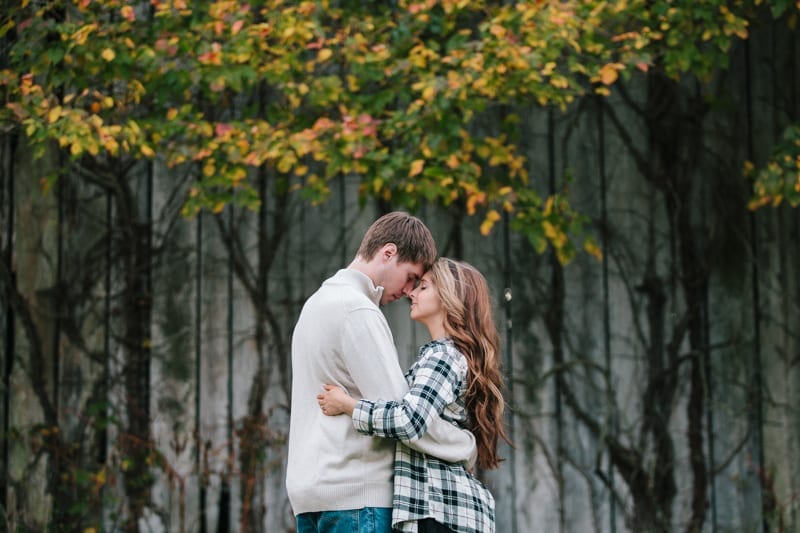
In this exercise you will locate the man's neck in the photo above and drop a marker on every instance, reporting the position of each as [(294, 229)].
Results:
[(364, 267)]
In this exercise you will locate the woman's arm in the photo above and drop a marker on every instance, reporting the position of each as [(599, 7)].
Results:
[(437, 381)]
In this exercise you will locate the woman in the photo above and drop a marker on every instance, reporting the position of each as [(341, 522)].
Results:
[(456, 376)]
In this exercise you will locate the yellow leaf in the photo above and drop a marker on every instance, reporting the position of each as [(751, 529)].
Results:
[(111, 145), (172, 113), (238, 175), (488, 223), (108, 54), (592, 249), (416, 167), (286, 162), (497, 30), (608, 74), (548, 206), (556, 236), (756, 203), (147, 151), (472, 201), (54, 114), (324, 54), (428, 93)]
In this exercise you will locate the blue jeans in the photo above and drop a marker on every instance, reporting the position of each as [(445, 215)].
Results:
[(365, 520)]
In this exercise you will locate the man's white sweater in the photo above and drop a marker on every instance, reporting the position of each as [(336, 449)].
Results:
[(342, 338)]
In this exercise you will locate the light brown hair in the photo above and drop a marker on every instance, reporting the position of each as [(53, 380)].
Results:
[(468, 322), (412, 238)]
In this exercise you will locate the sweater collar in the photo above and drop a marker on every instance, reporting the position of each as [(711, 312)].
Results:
[(363, 283)]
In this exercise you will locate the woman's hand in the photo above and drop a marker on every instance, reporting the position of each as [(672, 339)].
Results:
[(335, 401)]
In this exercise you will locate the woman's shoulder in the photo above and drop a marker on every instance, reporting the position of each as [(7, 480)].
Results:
[(436, 346), (441, 351)]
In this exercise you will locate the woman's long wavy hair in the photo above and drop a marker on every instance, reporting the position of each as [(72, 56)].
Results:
[(468, 322)]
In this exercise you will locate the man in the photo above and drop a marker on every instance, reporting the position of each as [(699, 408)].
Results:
[(337, 479)]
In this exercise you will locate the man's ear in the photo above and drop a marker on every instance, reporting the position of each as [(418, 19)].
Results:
[(388, 251)]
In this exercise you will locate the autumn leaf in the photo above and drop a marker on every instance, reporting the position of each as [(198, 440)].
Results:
[(473, 200), (608, 73), (128, 13), (592, 249), (54, 114), (416, 167), (488, 223)]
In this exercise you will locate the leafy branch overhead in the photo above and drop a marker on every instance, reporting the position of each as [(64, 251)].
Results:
[(391, 93), (779, 179)]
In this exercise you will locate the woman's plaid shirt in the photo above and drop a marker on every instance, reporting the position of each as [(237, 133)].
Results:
[(424, 486)]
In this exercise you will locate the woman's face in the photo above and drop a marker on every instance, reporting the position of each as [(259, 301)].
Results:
[(426, 305)]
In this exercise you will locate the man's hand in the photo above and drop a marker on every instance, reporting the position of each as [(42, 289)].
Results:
[(335, 401)]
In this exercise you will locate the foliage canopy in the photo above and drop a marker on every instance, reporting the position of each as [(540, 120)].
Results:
[(395, 93)]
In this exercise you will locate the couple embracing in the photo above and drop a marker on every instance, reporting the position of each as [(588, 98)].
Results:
[(372, 449)]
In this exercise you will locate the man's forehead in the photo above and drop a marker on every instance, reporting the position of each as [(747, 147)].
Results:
[(415, 268)]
